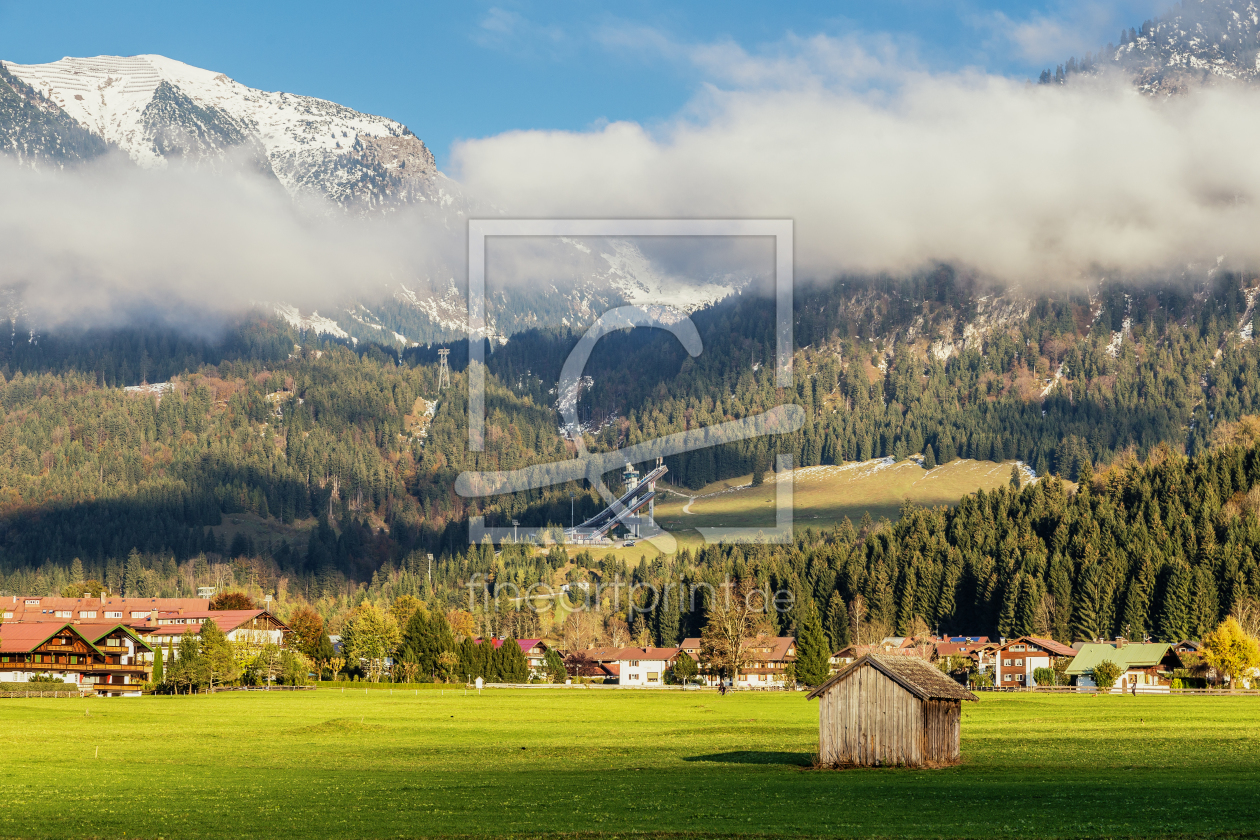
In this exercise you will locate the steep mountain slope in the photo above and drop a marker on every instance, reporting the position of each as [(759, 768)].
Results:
[(156, 109), (36, 131), (1197, 42)]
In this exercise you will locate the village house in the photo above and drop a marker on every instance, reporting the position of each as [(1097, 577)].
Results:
[(769, 658), (1016, 660), (105, 658), (1145, 668), (644, 667), (163, 631)]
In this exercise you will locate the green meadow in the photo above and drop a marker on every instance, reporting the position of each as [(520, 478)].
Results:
[(824, 496), (609, 763)]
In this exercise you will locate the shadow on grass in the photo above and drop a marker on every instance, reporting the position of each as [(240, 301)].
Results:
[(797, 759)]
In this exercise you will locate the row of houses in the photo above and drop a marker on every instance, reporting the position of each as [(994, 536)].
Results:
[(1145, 667), (108, 645)]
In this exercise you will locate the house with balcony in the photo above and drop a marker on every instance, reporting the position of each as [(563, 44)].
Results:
[(108, 659), (1016, 660)]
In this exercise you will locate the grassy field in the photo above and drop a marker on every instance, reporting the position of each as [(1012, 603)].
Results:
[(610, 764), (824, 496)]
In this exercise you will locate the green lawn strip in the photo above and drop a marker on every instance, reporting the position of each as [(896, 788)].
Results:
[(609, 764)]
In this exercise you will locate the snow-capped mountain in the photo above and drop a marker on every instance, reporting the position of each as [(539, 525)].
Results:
[(38, 132), (1197, 42), (156, 109)]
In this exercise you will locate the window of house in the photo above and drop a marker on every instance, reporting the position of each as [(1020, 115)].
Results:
[(1017, 647), (1006, 662), (1007, 677), (113, 615), (87, 613), (1019, 662), (653, 677), (34, 602), (139, 614), (634, 663), (39, 657), (634, 676), (63, 614), (1019, 677)]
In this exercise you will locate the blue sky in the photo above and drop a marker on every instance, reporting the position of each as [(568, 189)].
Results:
[(471, 69)]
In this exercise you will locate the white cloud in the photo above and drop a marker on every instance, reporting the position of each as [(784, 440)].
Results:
[(109, 242), (1024, 183)]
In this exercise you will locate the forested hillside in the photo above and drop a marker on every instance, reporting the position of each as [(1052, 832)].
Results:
[(352, 452)]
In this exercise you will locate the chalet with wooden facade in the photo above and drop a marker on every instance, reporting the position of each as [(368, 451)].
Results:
[(889, 710), (108, 659), (769, 657)]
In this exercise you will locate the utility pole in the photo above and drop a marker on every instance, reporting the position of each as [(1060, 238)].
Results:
[(430, 572), (572, 496), (444, 373)]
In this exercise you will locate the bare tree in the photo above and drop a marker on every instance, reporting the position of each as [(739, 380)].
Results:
[(1247, 613), (581, 630), (737, 629), (616, 630), (857, 618)]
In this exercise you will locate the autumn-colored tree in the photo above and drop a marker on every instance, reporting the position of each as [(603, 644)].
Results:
[(369, 635), (404, 607), (463, 624), (1231, 651), (307, 626), (232, 601)]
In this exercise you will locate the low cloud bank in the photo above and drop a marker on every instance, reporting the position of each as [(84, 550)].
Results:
[(109, 242), (1029, 184)]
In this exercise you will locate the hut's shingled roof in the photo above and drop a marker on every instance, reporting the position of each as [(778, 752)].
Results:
[(920, 678)]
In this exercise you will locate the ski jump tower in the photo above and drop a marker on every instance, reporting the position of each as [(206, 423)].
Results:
[(639, 493)]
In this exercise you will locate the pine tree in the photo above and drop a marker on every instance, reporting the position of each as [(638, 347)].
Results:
[(1085, 624), (929, 457), (511, 666), (1174, 618), (813, 652), (667, 618), (837, 624)]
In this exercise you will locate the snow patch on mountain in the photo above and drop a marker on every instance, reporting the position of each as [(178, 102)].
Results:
[(313, 322)]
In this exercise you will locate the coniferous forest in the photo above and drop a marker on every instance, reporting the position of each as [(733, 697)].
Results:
[(1126, 402)]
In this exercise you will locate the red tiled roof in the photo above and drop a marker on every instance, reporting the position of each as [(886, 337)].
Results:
[(525, 644), (1050, 645), (228, 620), (48, 604)]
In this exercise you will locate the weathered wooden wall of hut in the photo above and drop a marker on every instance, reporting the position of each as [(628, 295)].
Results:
[(868, 719)]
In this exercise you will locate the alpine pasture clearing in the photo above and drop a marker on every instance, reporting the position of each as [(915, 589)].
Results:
[(612, 763), (824, 496)]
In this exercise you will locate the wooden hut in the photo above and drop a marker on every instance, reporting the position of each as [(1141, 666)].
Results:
[(889, 710)]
